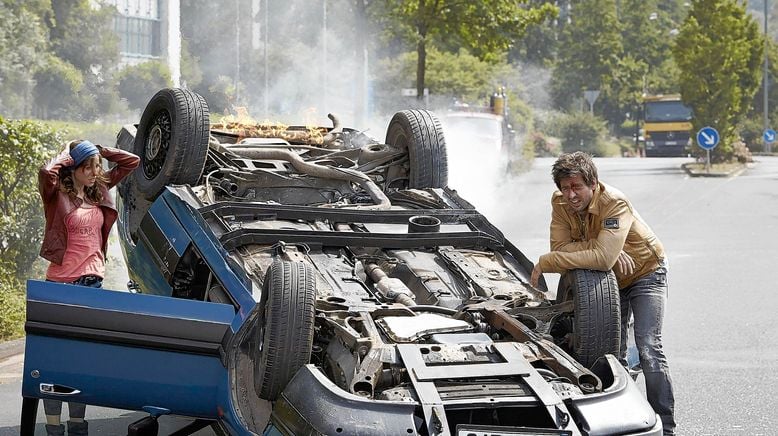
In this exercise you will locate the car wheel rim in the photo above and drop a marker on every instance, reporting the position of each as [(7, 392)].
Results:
[(157, 144)]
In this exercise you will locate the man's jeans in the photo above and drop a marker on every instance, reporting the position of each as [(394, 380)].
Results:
[(645, 299)]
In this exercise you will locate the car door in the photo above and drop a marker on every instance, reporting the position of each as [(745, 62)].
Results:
[(123, 350)]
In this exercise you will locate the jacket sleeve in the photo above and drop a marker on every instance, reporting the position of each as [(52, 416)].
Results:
[(125, 163), (48, 175), (600, 253)]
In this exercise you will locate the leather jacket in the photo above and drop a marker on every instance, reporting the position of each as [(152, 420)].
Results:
[(57, 204), (595, 241)]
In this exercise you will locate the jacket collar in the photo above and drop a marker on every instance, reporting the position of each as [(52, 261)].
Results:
[(594, 205)]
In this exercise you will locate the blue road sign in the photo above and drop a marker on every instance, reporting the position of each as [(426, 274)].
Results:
[(708, 138), (769, 136)]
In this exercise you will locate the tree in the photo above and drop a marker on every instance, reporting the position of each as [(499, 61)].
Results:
[(719, 54), (138, 83), (486, 28), (22, 50), (84, 36), (58, 84), (24, 147), (589, 53)]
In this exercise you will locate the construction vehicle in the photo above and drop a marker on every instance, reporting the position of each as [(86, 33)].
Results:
[(667, 125)]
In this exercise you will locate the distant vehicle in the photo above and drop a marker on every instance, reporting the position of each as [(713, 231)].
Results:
[(666, 126), (480, 141), (313, 280)]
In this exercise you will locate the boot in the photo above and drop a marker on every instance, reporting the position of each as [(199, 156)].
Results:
[(78, 428), (55, 430)]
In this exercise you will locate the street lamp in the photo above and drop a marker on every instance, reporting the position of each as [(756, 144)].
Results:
[(767, 145)]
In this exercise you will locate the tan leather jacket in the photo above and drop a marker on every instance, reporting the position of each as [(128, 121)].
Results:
[(595, 241), (57, 204)]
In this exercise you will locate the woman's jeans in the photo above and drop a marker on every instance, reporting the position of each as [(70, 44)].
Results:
[(645, 300)]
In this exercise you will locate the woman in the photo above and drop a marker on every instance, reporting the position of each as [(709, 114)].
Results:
[(79, 215)]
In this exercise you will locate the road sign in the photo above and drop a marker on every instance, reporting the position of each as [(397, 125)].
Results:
[(769, 136), (708, 138)]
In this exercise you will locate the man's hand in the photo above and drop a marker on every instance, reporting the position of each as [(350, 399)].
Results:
[(624, 264), (533, 279)]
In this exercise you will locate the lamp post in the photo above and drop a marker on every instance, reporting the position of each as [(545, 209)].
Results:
[(767, 145)]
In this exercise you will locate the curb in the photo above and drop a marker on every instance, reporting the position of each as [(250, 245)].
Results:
[(695, 173), (11, 348)]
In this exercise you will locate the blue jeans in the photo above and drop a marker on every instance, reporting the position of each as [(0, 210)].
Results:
[(645, 300)]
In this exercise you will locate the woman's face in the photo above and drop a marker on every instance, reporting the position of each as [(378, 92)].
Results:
[(87, 173)]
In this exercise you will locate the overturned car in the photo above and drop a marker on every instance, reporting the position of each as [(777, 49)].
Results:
[(313, 280)]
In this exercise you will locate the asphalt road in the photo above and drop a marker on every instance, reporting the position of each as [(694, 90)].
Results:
[(722, 238)]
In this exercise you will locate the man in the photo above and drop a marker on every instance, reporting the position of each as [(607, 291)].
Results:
[(594, 226)]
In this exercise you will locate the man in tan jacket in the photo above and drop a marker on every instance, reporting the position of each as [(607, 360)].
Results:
[(594, 226)]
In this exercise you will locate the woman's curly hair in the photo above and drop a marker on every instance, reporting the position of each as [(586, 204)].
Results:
[(94, 193)]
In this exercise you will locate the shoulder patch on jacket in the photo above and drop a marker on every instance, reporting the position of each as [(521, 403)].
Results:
[(611, 223)]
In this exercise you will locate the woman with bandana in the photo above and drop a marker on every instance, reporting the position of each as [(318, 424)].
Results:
[(79, 215)]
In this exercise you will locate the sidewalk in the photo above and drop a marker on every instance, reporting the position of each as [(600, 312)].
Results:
[(11, 348)]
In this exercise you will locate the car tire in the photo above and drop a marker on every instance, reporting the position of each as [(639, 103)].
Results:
[(171, 141), (594, 327), (286, 330), (420, 132)]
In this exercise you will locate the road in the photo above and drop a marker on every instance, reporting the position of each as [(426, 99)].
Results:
[(722, 238)]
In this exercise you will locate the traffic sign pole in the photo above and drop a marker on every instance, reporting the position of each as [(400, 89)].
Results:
[(708, 139)]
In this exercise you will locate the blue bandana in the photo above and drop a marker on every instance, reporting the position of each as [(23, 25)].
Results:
[(82, 152)]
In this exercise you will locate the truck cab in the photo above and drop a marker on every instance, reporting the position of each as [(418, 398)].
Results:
[(666, 126)]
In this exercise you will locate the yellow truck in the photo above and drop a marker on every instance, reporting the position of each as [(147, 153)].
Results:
[(667, 125)]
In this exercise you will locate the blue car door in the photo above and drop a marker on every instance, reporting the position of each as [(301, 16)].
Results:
[(123, 350)]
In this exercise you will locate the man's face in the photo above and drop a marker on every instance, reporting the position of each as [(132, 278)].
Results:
[(576, 192)]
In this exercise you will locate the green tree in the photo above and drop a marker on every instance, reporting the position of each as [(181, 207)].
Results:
[(83, 35), (486, 28), (138, 83), (24, 147), (22, 50), (719, 53), (58, 84), (589, 54)]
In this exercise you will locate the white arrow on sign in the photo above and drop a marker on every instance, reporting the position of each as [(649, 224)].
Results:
[(770, 136), (709, 140)]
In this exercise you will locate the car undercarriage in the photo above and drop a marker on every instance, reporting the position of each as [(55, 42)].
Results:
[(385, 303)]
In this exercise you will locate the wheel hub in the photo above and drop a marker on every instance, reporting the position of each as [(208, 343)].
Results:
[(155, 148)]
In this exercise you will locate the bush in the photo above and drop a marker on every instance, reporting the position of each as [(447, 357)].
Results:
[(751, 131), (12, 305), (581, 131), (543, 146), (24, 147), (99, 133), (138, 83)]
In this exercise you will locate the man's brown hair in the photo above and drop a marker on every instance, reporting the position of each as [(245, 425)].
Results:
[(571, 164)]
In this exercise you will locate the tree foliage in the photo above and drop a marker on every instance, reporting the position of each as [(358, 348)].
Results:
[(138, 83), (24, 147), (589, 53), (22, 50), (719, 53), (485, 28)]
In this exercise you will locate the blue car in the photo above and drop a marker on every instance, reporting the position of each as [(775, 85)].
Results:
[(290, 280)]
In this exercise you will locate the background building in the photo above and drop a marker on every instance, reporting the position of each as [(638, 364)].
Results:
[(149, 29)]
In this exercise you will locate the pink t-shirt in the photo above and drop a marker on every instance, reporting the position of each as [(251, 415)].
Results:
[(84, 254)]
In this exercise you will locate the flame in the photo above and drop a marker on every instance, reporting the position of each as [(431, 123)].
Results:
[(243, 125)]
